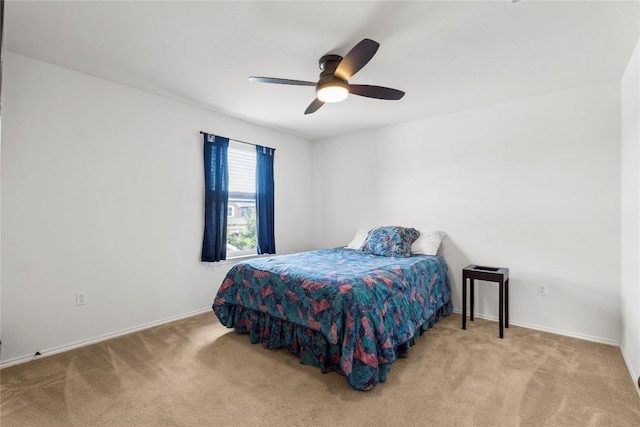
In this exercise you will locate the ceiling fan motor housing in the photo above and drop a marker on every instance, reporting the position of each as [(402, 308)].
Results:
[(331, 88), (329, 63)]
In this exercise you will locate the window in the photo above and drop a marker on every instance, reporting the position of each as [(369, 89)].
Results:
[(241, 229), (238, 175)]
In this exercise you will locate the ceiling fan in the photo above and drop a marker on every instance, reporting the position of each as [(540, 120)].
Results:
[(333, 85)]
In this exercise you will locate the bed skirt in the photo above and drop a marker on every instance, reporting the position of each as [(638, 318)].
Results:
[(312, 347)]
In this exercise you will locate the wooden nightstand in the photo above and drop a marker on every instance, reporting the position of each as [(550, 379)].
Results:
[(489, 274)]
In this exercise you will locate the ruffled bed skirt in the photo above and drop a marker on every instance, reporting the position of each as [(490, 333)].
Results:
[(311, 346)]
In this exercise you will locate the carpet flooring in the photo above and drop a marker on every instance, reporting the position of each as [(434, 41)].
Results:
[(194, 372)]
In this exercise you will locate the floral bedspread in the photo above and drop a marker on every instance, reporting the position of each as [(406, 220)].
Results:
[(365, 309)]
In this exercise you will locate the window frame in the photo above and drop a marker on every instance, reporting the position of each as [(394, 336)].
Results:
[(244, 253)]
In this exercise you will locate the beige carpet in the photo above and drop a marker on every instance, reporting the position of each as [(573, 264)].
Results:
[(195, 372)]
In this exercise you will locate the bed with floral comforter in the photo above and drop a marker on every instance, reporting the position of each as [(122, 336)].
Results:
[(337, 309)]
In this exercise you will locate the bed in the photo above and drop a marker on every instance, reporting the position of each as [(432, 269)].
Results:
[(337, 309)]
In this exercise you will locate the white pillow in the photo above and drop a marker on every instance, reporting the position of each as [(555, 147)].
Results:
[(428, 242), (358, 239)]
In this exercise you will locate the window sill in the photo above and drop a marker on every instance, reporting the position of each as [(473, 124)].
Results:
[(237, 259)]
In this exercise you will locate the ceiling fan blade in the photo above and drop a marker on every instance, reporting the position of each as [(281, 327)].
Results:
[(377, 92), (357, 58), (314, 106), (281, 81)]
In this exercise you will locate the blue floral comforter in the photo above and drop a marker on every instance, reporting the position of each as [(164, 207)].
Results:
[(337, 309)]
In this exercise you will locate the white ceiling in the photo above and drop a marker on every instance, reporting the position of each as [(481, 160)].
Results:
[(447, 56)]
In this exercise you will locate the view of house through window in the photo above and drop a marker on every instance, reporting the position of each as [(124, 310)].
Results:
[(241, 211)]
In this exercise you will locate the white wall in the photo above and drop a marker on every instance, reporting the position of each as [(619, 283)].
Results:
[(102, 191), (533, 185), (630, 178)]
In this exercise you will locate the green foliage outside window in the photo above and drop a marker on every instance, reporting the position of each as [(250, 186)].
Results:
[(248, 238)]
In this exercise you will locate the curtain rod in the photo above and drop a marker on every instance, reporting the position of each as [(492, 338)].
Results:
[(236, 140)]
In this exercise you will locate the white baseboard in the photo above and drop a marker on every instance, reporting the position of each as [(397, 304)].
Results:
[(83, 343), (550, 330), (634, 375)]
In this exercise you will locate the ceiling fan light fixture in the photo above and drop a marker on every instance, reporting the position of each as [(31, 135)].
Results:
[(334, 91)]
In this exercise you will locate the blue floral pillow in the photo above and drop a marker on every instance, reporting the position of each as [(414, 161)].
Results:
[(390, 241)]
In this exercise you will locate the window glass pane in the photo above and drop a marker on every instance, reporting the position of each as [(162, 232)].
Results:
[(241, 220)]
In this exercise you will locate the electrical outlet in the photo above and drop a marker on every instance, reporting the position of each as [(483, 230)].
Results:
[(81, 298), (543, 289)]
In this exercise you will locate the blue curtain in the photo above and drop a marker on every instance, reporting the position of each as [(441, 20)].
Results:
[(264, 200), (216, 196)]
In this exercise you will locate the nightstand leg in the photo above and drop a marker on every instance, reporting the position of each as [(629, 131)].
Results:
[(506, 303), (471, 299), (501, 308), (464, 302)]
